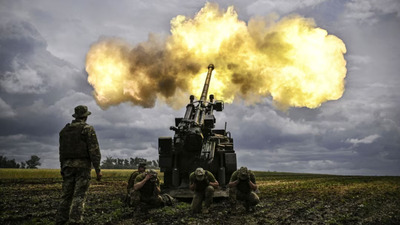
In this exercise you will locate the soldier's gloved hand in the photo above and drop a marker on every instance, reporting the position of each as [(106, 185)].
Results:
[(99, 176)]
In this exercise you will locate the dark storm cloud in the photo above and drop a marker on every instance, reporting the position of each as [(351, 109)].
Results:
[(262, 127), (32, 81), (19, 39), (36, 88)]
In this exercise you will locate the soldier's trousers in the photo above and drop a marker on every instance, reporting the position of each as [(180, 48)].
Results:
[(138, 200), (130, 198), (76, 182), (206, 195), (250, 198)]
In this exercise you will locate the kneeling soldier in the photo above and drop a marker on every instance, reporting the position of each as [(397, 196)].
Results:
[(147, 190), (203, 183), (243, 182), (131, 182)]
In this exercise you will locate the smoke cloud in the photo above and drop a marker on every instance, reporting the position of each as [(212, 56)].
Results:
[(289, 59)]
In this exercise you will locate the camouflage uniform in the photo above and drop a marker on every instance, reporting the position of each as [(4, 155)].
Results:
[(131, 182), (79, 150), (148, 194), (203, 190), (242, 191)]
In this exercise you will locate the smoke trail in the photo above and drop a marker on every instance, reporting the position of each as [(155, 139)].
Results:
[(291, 59)]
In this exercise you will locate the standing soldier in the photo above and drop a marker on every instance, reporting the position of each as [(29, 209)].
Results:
[(243, 182), (147, 190), (79, 150), (131, 182), (203, 183)]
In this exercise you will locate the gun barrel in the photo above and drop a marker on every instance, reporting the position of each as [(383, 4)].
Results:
[(203, 97)]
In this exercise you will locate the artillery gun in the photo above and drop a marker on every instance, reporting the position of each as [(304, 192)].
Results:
[(197, 144)]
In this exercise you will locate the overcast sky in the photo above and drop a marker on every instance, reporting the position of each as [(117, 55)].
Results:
[(43, 45)]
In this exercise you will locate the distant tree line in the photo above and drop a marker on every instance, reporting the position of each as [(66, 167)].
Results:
[(131, 163), (32, 163), (108, 163)]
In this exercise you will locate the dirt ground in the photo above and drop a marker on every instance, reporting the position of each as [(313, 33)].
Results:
[(285, 199)]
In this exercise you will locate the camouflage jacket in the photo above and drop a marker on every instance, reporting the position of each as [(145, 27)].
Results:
[(201, 185), (243, 185), (132, 178), (148, 189), (88, 135)]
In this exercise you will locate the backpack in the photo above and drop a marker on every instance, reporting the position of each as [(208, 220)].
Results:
[(72, 142)]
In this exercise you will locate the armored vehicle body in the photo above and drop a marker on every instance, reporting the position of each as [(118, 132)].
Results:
[(197, 144)]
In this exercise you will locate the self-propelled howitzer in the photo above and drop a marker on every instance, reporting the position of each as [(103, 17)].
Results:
[(197, 144)]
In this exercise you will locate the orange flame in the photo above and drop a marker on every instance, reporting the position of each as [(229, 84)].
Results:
[(290, 59)]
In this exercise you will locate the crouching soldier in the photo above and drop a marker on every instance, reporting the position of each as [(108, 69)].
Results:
[(243, 182), (147, 191), (203, 183), (131, 182)]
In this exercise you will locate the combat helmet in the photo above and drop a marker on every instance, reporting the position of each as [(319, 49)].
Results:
[(142, 165)]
